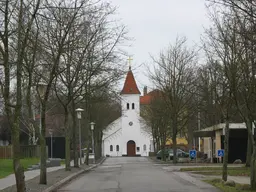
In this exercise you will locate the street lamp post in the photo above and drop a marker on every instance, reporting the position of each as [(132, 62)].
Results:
[(50, 132), (79, 117), (92, 128)]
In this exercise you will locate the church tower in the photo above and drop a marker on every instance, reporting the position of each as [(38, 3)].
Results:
[(130, 102), (129, 135)]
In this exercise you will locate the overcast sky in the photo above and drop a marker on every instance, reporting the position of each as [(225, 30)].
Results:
[(154, 24)]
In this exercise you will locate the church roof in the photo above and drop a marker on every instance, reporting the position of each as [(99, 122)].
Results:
[(146, 99), (130, 86)]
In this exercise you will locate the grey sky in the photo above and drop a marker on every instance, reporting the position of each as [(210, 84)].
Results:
[(154, 24)]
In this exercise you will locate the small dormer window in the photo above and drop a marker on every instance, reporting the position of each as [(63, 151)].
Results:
[(128, 106), (133, 106)]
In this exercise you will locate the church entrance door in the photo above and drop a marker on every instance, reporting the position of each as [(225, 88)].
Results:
[(131, 148)]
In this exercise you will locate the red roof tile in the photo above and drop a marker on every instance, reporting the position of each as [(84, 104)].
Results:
[(130, 86), (146, 99)]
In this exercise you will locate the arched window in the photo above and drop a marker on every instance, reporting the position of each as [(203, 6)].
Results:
[(144, 147), (133, 106), (117, 148), (111, 147), (128, 106)]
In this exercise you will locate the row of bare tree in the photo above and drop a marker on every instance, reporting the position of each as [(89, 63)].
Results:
[(221, 90), (73, 49)]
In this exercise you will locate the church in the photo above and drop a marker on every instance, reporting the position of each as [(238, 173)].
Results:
[(128, 135)]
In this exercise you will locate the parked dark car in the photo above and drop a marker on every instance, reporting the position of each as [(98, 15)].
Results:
[(169, 154), (180, 154), (159, 154)]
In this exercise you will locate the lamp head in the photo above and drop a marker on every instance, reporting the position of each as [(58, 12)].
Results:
[(41, 87), (92, 125), (79, 112), (50, 131)]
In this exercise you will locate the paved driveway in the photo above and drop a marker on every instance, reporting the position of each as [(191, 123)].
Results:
[(135, 174)]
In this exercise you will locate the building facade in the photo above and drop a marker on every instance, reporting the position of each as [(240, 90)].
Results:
[(129, 135)]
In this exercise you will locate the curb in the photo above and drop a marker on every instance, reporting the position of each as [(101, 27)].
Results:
[(64, 181)]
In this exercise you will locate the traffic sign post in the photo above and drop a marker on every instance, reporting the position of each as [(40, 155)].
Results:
[(220, 153), (192, 154)]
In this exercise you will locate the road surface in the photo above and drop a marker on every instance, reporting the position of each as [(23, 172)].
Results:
[(135, 174)]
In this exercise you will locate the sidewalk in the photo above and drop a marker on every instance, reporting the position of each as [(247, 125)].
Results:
[(10, 180)]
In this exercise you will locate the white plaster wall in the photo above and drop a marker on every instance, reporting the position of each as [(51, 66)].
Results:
[(130, 98), (112, 128), (145, 140), (120, 132), (130, 115), (114, 141), (112, 136)]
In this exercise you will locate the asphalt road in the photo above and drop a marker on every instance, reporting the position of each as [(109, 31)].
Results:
[(135, 174)]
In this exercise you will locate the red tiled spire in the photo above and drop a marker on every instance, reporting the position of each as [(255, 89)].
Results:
[(130, 86)]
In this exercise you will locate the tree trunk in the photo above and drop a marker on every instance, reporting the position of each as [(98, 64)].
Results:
[(18, 168), (158, 147), (97, 150), (43, 179), (253, 158), (67, 142), (249, 147), (74, 135), (163, 153), (88, 149), (253, 169), (174, 136), (98, 145), (154, 145), (29, 106), (174, 146), (190, 138), (225, 159), (154, 138)]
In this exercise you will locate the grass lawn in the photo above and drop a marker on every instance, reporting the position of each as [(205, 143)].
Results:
[(233, 171), (239, 187), (62, 162), (6, 167)]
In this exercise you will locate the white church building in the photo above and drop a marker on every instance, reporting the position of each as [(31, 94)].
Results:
[(128, 135)]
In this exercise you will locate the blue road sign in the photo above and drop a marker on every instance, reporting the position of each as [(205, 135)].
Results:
[(192, 153), (220, 153)]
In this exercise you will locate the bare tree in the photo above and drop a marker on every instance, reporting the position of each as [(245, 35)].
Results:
[(56, 22), (173, 74), (233, 42), (222, 47), (104, 110), (28, 114), (88, 63), (157, 117), (14, 14)]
